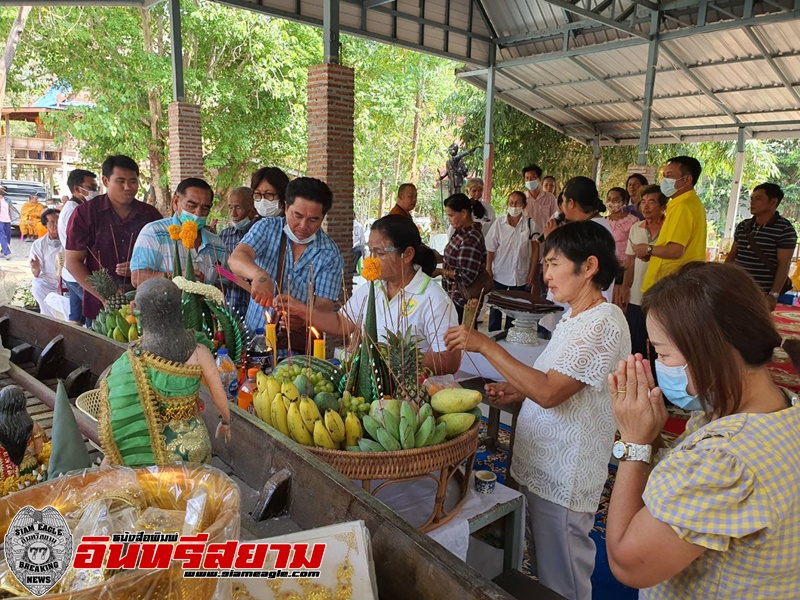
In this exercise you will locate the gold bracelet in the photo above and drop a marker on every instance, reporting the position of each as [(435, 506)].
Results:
[(36, 436)]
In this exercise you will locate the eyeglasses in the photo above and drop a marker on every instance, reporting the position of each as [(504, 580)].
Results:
[(265, 196), (380, 252)]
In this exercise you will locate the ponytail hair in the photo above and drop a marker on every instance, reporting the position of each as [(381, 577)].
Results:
[(459, 202), (583, 192), (403, 234)]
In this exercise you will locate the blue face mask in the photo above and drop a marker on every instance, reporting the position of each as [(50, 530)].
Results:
[(187, 216), (240, 225), (668, 186), (673, 381)]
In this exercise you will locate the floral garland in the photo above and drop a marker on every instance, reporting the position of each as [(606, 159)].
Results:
[(16, 483), (202, 289), (371, 271), (174, 232), (189, 234)]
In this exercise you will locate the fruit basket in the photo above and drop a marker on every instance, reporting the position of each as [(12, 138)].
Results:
[(405, 465)]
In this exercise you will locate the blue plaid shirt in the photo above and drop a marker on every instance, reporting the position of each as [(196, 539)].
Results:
[(237, 298), (264, 238)]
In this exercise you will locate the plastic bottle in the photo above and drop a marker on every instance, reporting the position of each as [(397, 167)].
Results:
[(259, 352), (247, 390), (227, 373)]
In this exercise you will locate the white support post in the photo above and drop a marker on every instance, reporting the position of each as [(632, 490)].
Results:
[(736, 188)]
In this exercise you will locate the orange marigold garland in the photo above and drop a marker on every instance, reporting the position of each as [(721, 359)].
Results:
[(174, 232), (189, 234), (372, 269)]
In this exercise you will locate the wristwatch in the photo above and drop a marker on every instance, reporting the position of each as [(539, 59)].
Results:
[(638, 452), (775, 295), (650, 249)]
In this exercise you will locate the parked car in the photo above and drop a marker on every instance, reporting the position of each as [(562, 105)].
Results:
[(19, 192)]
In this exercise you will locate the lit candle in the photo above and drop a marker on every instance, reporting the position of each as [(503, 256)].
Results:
[(272, 340), (319, 349)]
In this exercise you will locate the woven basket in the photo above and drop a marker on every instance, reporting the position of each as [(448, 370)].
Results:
[(89, 403), (402, 464)]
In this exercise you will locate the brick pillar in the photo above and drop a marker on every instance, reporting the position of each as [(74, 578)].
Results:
[(185, 142), (330, 150)]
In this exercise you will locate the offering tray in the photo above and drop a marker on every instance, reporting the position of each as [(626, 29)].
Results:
[(526, 310)]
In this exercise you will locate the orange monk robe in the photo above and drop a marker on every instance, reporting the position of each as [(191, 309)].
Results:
[(30, 222)]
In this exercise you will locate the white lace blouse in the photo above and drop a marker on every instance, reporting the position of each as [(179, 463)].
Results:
[(561, 454)]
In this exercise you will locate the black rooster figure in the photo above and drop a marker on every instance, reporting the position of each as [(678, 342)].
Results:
[(16, 424)]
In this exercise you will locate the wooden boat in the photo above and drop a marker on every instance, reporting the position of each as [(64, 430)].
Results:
[(408, 563)]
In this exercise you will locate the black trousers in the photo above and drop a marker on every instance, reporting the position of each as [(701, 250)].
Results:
[(640, 342)]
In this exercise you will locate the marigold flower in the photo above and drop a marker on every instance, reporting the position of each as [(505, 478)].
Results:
[(372, 269), (189, 234), (174, 232)]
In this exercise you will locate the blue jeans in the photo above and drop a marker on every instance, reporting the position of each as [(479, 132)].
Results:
[(5, 238), (495, 316), (75, 301)]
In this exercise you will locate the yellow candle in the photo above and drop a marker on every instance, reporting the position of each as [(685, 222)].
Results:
[(272, 340), (319, 349)]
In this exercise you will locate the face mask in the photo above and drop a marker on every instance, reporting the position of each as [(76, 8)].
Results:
[(241, 224), (90, 194), (268, 208), (673, 382), (187, 216), (614, 207), (668, 186), (532, 185), (290, 234), (514, 211)]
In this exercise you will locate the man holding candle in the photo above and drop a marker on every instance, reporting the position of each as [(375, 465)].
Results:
[(308, 256)]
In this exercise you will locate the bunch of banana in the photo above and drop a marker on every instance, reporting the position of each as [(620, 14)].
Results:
[(268, 388), (119, 325), (413, 429)]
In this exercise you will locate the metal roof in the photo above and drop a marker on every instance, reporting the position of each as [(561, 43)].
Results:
[(581, 66)]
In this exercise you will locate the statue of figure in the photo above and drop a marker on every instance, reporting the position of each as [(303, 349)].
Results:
[(456, 169), (148, 408), (21, 439)]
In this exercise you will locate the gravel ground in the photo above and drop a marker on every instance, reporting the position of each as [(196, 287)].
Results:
[(14, 272)]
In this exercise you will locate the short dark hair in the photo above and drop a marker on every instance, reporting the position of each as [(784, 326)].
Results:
[(626, 197), (642, 179), (726, 304), (520, 195), (403, 234), (47, 213), (579, 240), (311, 189), (273, 176), (535, 168), (404, 186), (195, 182), (119, 161), (583, 192), (459, 202), (655, 189), (546, 177), (689, 166), (773, 190), (76, 177)]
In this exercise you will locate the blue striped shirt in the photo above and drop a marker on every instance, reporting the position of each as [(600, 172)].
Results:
[(264, 238), (237, 298), (154, 250)]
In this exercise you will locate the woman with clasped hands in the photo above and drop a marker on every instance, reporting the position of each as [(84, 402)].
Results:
[(719, 515), (565, 428)]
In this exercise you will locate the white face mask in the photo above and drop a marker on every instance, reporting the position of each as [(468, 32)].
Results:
[(290, 234), (268, 208), (532, 185), (514, 211)]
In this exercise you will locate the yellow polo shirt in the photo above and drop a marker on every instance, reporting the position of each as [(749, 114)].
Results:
[(685, 224)]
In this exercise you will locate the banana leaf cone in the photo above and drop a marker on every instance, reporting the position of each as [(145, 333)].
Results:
[(68, 450), (370, 376), (176, 262)]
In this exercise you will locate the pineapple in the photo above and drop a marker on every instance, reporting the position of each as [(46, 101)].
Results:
[(404, 360), (107, 288)]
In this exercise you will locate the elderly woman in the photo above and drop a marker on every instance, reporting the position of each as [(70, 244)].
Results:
[(405, 296), (464, 259), (474, 189), (634, 186), (565, 428), (718, 517)]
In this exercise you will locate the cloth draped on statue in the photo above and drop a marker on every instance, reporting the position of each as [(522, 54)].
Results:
[(30, 220), (149, 412)]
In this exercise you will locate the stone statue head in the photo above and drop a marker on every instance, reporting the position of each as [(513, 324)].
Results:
[(16, 424), (158, 302)]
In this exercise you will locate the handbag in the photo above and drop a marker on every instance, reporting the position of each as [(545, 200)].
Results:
[(482, 285), (297, 335), (762, 256)]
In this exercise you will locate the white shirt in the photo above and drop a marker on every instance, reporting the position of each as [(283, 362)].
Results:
[(422, 305), (47, 251), (561, 453), (638, 235), (63, 226), (512, 250)]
